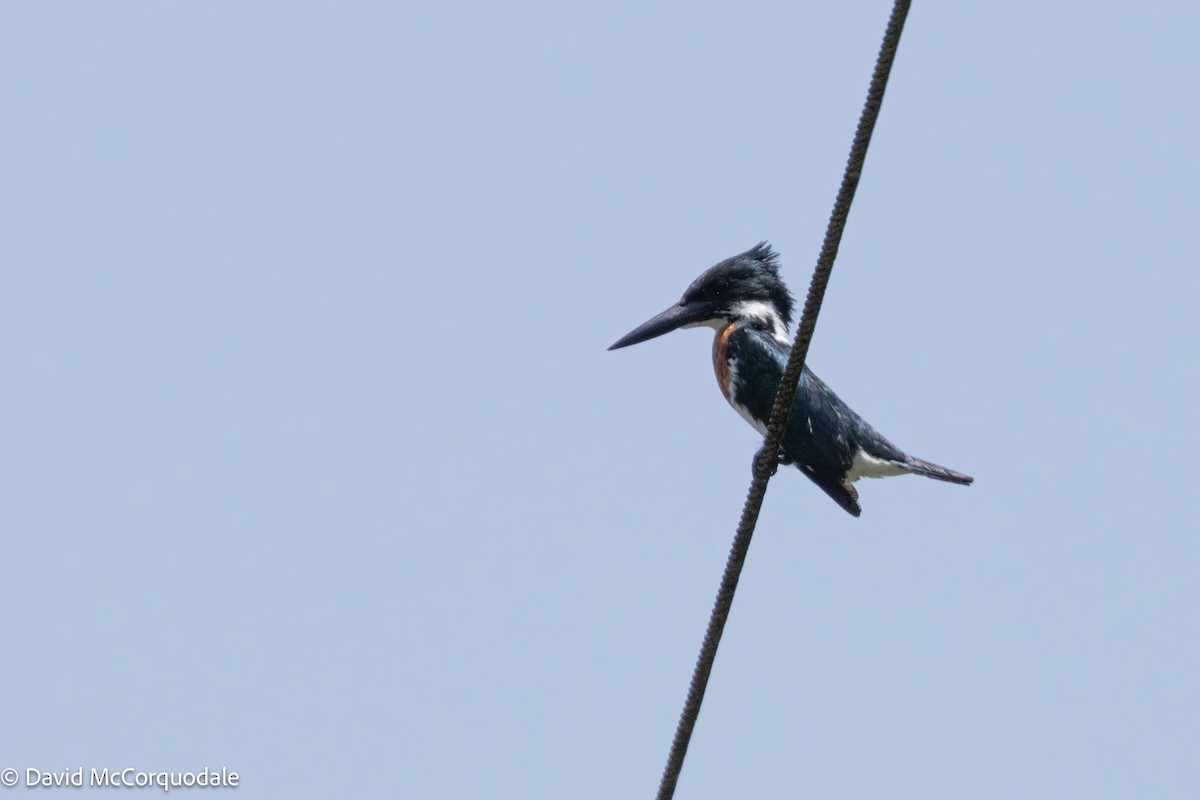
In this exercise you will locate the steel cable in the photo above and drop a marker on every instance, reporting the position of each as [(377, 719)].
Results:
[(766, 461)]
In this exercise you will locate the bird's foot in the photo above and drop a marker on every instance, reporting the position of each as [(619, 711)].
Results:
[(772, 467)]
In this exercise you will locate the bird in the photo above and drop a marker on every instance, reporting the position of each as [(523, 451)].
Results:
[(745, 301)]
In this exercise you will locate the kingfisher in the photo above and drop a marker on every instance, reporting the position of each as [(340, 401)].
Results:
[(746, 302)]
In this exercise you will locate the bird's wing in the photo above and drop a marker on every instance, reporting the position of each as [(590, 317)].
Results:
[(816, 440), (817, 434)]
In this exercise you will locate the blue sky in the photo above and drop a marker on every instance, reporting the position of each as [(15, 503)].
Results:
[(316, 467)]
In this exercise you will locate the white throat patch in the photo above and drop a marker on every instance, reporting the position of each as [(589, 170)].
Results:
[(716, 323)]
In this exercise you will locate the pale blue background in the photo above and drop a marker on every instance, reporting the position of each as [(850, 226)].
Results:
[(314, 465)]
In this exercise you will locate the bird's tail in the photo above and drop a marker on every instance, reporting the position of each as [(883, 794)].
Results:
[(934, 471)]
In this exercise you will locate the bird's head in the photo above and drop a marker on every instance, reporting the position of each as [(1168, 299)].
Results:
[(745, 290)]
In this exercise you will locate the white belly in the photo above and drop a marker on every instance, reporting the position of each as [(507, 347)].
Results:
[(866, 465), (746, 415)]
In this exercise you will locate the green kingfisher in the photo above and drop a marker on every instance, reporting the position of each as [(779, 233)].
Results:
[(746, 302)]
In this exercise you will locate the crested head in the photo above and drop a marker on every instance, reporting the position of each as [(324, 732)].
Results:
[(746, 285), (745, 290)]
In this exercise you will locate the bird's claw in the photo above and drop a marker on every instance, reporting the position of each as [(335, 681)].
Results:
[(780, 459)]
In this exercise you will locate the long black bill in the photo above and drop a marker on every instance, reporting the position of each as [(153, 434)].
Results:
[(674, 317)]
